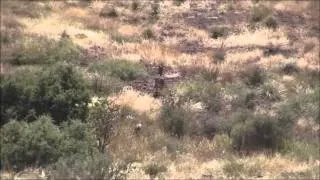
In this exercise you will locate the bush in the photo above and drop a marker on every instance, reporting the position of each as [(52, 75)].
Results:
[(135, 5), (119, 38), (179, 2), (233, 168), (40, 50), (95, 166), (254, 76), (105, 85), (256, 132), (175, 120), (155, 10), (154, 169), (108, 12), (148, 34), (31, 9), (259, 13), (104, 116), (76, 139), (61, 93), (302, 150), (219, 31), (219, 55), (125, 70), (270, 22), (24, 145), (17, 95)]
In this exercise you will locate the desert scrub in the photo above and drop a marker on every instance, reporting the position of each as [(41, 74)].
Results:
[(40, 50), (104, 85), (262, 15), (119, 38), (108, 12), (154, 169), (219, 31), (31, 9), (148, 34), (123, 69)]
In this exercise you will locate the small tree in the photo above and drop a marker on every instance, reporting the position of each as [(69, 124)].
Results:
[(103, 117)]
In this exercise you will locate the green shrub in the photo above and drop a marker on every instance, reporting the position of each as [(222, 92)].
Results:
[(61, 93), (270, 22), (104, 117), (254, 76), (125, 70), (24, 145), (17, 95), (154, 169), (302, 150), (40, 50), (94, 166), (259, 13), (233, 168), (256, 132), (105, 85), (76, 139), (219, 31), (208, 74), (178, 2), (108, 12), (175, 120), (148, 34), (155, 10), (219, 55), (135, 5), (119, 38), (31, 9)]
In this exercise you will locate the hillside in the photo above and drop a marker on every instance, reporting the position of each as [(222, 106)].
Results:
[(160, 89)]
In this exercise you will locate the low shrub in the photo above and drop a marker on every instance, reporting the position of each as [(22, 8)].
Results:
[(25, 145), (175, 120), (94, 166), (251, 132), (270, 22), (125, 70), (154, 169), (135, 5), (219, 55), (108, 12), (155, 10), (254, 76), (31, 9), (233, 168), (179, 2), (105, 85), (148, 34), (259, 13), (302, 150), (40, 50), (219, 31), (119, 38)]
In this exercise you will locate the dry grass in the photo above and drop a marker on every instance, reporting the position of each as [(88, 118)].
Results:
[(140, 102)]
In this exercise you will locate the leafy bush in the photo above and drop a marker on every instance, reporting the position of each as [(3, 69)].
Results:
[(104, 116), (148, 34), (154, 169), (119, 38), (105, 85), (219, 31), (254, 76), (219, 55), (302, 150), (259, 13), (155, 10), (61, 93), (256, 132), (24, 145), (31, 9), (175, 120), (95, 166), (135, 5), (17, 95), (40, 50), (179, 2), (108, 12), (76, 139), (270, 22), (125, 70)]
